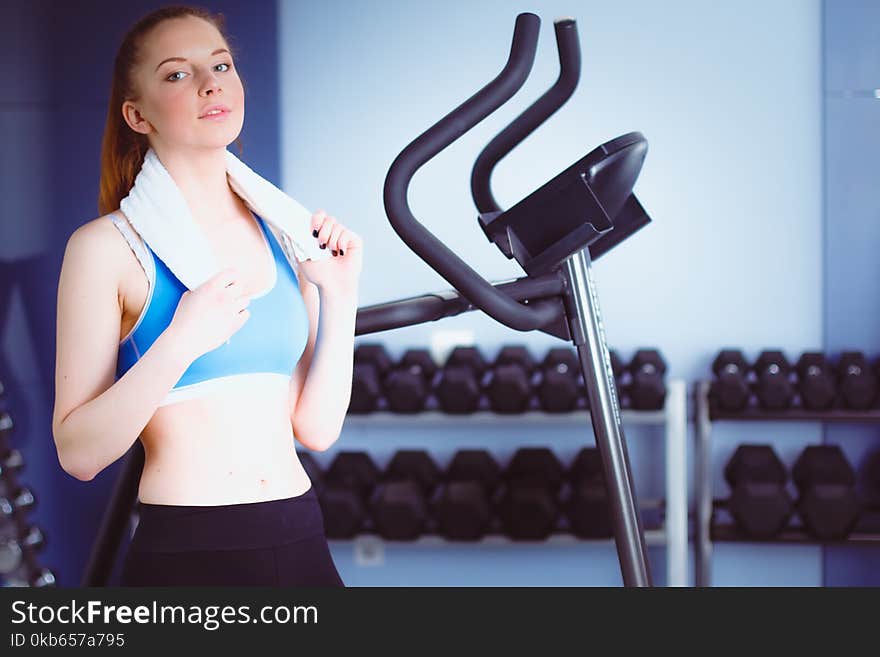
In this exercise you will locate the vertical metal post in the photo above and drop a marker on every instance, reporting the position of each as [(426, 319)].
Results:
[(676, 521), (588, 335), (703, 484), (117, 516)]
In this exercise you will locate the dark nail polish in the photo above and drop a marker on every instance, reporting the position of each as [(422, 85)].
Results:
[(341, 252), (314, 233), (324, 245), (334, 253)]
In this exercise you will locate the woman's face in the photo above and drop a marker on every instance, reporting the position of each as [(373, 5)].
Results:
[(175, 94)]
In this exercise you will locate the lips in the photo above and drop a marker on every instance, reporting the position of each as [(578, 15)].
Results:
[(223, 108)]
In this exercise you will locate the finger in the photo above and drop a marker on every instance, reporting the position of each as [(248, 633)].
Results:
[(232, 288), (227, 277), (349, 241), (325, 231), (317, 222), (343, 241), (335, 234)]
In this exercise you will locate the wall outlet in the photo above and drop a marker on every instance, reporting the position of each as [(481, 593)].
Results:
[(369, 551)]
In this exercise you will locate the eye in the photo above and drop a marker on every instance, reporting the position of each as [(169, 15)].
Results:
[(171, 77), (228, 66)]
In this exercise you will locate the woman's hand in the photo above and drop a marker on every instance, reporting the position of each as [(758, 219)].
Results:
[(339, 274)]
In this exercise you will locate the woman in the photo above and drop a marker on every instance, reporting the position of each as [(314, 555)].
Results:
[(219, 381)]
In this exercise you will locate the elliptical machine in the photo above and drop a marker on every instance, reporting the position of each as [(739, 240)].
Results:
[(554, 234)]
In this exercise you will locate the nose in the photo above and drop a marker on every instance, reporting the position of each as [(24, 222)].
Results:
[(210, 86)]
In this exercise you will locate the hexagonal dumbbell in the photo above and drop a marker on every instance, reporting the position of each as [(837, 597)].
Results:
[(827, 505), (773, 388), (647, 389), (11, 464), (816, 384), (856, 381), (459, 384), (759, 502), (463, 506), (586, 502), (408, 384), (528, 507), (869, 474), (347, 486), (401, 502), (14, 548), (509, 387), (561, 387), (371, 364), (730, 389)]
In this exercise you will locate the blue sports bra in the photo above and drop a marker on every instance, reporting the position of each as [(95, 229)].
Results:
[(266, 348)]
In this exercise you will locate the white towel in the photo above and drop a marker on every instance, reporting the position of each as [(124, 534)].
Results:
[(157, 210)]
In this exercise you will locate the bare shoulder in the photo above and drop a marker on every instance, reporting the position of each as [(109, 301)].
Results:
[(97, 233), (100, 238), (99, 242)]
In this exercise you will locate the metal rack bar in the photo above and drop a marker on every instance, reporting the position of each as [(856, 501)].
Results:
[(676, 483)]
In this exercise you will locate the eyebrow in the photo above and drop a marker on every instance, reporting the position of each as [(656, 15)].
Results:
[(182, 59)]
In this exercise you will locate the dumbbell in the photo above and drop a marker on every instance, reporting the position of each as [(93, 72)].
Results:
[(408, 384), (11, 463), (347, 486), (13, 547), (816, 384), (6, 427), (586, 503), (400, 504), (19, 497), (773, 387), (827, 503), (647, 389), (509, 387), (463, 506), (43, 577), (759, 503), (730, 389), (26, 575), (528, 507), (371, 364), (561, 386), (856, 382), (870, 479), (459, 385)]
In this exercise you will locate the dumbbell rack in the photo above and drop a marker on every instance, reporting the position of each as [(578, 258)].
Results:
[(673, 418), (706, 531)]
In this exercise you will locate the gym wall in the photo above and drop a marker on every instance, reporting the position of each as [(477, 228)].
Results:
[(729, 98)]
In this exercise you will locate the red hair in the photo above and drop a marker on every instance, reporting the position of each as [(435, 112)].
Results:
[(123, 149)]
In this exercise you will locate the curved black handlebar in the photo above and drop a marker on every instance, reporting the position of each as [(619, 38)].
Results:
[(458, 273), (527, 122)]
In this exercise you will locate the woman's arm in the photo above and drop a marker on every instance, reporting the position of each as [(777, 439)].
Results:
[(326, 389), (95, 421)]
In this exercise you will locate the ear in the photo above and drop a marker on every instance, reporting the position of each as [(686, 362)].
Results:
[(135, 120)]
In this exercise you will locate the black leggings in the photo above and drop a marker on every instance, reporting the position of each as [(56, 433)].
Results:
[(274, 543)]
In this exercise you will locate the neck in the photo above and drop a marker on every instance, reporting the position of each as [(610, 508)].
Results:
[(201, 178)]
